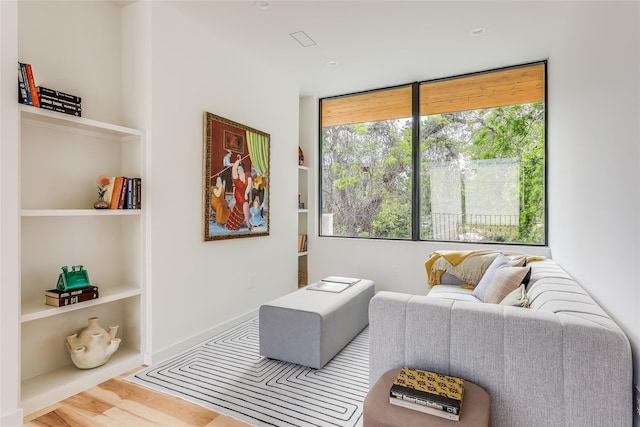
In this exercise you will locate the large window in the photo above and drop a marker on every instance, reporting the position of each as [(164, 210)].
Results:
[(458, 159)]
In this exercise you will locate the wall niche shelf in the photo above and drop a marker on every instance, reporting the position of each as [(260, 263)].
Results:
[(303, 194), (61, 157)]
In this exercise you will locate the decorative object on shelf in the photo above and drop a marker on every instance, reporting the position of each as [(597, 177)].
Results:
[(103, 184), (300, 156), (300, 204), (92, 346), (236, 180), (77, 278), (302, 277)]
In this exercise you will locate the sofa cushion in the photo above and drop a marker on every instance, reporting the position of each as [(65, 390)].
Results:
[(498, 263), (452, 292), (504, 281), (517, 298)]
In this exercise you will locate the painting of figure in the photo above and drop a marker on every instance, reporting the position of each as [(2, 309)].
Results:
[(235, 184)]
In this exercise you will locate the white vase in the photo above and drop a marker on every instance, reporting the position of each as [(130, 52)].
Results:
[(92, 346)]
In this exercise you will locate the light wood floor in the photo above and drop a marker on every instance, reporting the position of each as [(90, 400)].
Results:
[(120, 403)]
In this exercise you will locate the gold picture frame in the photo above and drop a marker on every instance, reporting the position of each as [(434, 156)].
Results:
[(235, 180)]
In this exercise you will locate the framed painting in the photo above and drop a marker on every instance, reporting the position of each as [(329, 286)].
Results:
[(235, 180)]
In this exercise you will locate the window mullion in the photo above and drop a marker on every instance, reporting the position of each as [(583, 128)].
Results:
[(415, 157)]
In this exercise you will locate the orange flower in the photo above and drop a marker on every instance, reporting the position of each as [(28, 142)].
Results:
[(103, 181)]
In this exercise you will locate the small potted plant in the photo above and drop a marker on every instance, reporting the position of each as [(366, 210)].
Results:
[(103, 183)]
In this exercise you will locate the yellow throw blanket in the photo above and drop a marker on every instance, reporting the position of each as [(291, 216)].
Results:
[(468, 266)]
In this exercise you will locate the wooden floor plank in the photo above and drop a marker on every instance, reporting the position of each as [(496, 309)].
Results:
[(120, 403), (62, 417), (86, 402), (192, 415), (226, 421)]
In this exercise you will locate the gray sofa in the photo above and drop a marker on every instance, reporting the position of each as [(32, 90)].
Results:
[(561, 362)]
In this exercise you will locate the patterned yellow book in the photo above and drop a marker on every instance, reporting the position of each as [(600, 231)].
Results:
[(428, 388)]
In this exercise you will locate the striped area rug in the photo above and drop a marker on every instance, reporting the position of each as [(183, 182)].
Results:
[(228, 375)]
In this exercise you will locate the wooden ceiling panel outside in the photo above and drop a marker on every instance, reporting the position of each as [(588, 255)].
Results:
[(369, 107), (495, 89), (513, 86)]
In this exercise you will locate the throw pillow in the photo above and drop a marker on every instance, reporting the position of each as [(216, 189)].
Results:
[(517, 298), (504, 282), (499, 262)]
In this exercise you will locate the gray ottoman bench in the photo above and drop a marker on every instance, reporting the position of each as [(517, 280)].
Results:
[(309, 327)]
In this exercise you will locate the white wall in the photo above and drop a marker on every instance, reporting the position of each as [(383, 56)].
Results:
[(10, 413), (74, 47), (198, 285), (594, 157)]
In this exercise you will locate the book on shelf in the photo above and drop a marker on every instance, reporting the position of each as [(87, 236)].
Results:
[(109, 190), (63, 110), (115, 193), (31, 83), (417, 388), (302, 243), (128, 204), (22, 88), (62, 96), (73, 299), (56, 293), (123, 194), (44, 99), (24, 79), (137, 193)]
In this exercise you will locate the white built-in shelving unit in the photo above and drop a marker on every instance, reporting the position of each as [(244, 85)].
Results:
[(61, 157), (303, 191)]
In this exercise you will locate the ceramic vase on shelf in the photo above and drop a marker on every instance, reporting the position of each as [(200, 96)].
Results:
[(101, 203), (92, 346)]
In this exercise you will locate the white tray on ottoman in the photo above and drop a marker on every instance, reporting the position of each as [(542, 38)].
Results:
[(309, 327)]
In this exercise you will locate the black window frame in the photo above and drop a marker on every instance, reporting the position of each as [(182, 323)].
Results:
[(415, 182)]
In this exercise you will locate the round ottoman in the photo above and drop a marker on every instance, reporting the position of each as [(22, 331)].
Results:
[(378, 412)]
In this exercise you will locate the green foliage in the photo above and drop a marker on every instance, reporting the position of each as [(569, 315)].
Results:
[(367, 171)]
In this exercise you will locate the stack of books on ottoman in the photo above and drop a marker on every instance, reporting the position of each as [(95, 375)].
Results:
[(428, 392)]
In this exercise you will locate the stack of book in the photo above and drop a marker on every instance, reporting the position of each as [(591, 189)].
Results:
[(38, 96), (124, 193), (27, 90), (59, 298), (428, 392), (60, 101)]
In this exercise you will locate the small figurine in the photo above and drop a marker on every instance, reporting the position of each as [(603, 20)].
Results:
[(300, 156)]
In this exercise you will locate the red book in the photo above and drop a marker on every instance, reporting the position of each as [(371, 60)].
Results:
[(32, 85), (123, 194)]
